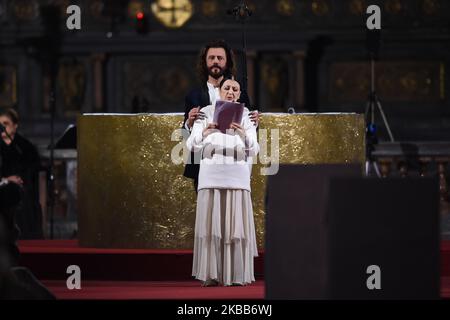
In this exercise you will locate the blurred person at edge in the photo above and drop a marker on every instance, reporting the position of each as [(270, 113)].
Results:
[(19, 164)]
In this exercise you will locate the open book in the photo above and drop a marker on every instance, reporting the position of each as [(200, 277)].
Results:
[(227, 112)]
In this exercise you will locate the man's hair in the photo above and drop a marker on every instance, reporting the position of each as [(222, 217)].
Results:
[(10, 113), (230, 68)]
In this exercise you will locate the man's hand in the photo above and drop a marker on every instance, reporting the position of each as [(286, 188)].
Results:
[(15, 179), (211, 128), (5, 138), (195, 114), (254, 117)]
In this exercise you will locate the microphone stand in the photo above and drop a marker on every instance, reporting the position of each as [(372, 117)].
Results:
[(241, 13), (373, 102), (51, 176), (52, 55), (47, 50)]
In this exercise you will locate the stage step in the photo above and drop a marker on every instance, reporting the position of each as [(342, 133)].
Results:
[(49, 259)]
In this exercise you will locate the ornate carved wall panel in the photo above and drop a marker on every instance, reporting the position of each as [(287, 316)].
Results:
[(156, 83), (274, 82), (8, 85), (396, 81), (73, 87), (133, 72), (194, 14)]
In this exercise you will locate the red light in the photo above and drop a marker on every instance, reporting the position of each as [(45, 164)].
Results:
[(140, 15)]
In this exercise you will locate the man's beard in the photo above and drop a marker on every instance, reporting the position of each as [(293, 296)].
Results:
[(215, 75)]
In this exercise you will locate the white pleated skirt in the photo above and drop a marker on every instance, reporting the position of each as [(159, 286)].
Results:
[(225, 237)]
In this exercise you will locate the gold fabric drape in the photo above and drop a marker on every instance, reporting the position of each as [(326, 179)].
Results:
[(132, 195)]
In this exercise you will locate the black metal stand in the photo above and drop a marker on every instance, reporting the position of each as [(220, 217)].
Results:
[(371, 128), (51, 175), (51, 54), (242, 13)]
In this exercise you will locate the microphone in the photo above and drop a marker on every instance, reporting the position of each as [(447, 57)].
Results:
[(240, 11), (2, 128)]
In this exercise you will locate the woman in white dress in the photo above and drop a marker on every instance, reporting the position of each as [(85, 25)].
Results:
[(225, 237)]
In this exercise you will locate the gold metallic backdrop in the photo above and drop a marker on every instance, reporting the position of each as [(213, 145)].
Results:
[(131, 195)]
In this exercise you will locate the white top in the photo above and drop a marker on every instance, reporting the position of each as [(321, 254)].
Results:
[(223, 169), (214, 93)]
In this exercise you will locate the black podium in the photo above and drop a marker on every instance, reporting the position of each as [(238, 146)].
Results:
[(327, 228)]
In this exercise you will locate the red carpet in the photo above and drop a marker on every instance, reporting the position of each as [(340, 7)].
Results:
[(186, 290), (49, 260), (142, 273), (445, 258)]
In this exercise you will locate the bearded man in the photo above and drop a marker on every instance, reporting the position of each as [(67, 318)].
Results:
[(215, 62)]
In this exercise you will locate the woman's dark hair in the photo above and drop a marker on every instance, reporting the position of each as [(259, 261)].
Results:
[(225, 79), (202, 69), (10, 113)]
